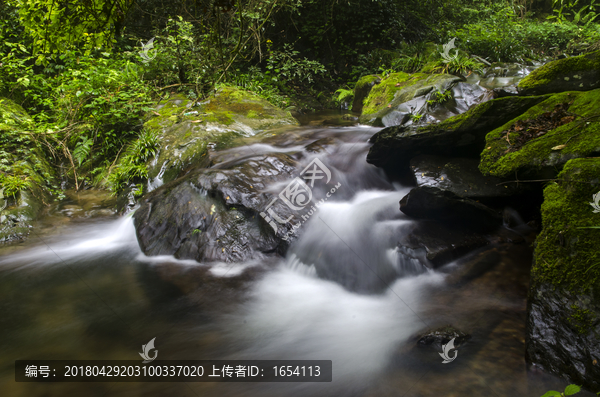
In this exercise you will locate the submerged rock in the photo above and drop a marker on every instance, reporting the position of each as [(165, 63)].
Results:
[(580, 73), (459, 136), (444, 206), (563, 325), (539, 142), (441, 336)]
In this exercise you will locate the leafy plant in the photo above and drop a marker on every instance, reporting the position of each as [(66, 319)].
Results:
[(415, 117), (12, 185), (569, 390), (439, 97), (343, 95)]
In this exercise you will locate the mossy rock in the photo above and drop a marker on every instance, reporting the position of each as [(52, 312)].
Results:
[(398, 88), (362, 89), (29, 163), (564, 301), (544, 156), (459, 136), (580, 73), (187, 129)]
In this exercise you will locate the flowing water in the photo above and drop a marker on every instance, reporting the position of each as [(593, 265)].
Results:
[(80, 288)]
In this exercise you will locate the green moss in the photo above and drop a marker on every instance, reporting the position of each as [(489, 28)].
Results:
[(566, 251), (559, 69), (537, 157), (383, 93), (581, 319)]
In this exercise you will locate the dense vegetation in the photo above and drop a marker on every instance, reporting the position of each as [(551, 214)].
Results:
[(88, 73)]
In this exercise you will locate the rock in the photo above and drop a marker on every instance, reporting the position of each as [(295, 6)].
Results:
[(361, 90), (563, 325), (214, 214), (500, 69), (459, 176), (444, 206), (439, 243), (475, 265), (399, 95), (539, 142), (580, 73), (189, 129), (509, 90), (459, 136), (441, 336), (18, 211)]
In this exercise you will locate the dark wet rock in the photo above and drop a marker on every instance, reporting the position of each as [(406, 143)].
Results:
[(459, 136), (536, 144), (361, 90), (441, 336), (214, 214), (580, 73), (319, 145), (444, 206), (460, 176), (563, 325), (439, 243), (509, 90)]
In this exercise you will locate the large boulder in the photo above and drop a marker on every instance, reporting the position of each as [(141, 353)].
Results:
[(215, 214), (539, 142), (188, 129), (444, 206), (460, 136), (580, 73), (419, 98), (459, 176), (563, 325)]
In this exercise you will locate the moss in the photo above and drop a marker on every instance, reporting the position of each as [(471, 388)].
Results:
[(581, 319), (566, 250), (187, 128), (383, 93), (560, 69), (537, 157)]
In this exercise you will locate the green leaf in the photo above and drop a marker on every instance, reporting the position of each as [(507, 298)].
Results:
[(572, 389), (551, 393)]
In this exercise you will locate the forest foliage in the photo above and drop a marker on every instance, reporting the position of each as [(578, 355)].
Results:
[(79, 70)]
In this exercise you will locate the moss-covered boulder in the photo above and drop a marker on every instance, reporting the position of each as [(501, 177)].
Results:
[(580, 73), (187, 129), (398, 88), (459, 136), (563, 326), (25, 174), (362, 89), (539, 142)]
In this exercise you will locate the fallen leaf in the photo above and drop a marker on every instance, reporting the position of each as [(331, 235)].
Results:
[(559, 147), (489, 147)]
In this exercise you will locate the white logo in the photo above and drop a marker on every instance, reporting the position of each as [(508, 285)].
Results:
[(446, 54), (446, 349), (146, 348), (145, 48), (596, 203)]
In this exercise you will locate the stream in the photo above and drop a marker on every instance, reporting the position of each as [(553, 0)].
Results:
[(80, 288)]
